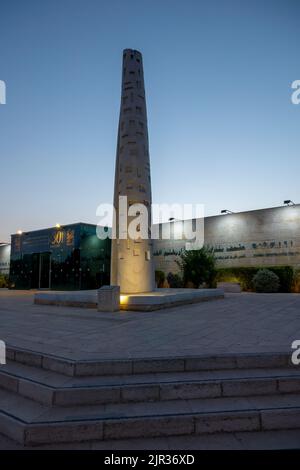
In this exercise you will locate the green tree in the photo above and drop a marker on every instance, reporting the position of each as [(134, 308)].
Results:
[(198, 266)]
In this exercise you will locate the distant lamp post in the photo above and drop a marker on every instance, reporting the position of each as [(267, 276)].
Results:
[(226, 211), (57, 225), (288, 202), (19, 232)]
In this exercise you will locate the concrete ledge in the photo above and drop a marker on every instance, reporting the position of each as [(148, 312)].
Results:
[(83, 299), (166, 298), (65, 303), (147, 302)]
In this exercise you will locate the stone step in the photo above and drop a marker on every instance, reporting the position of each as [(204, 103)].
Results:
[(55, 379), (288, 439), (33, 424), (97, 367), (55, 389)]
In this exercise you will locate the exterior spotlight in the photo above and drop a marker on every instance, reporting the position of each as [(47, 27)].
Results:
[(19, 232), (57, 225), (123, 299), (288, 202), (226, 211)]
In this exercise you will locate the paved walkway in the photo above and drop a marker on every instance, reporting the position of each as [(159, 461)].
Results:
[(240, 323)]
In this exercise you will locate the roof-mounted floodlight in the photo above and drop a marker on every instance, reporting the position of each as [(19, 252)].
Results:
[(288, 202), (226, 211)]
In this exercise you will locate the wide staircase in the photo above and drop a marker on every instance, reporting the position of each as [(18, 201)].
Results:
[(49, 400)]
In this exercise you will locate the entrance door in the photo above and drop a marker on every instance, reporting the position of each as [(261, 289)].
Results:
[(40, 275), (35, 271), (44, 271)]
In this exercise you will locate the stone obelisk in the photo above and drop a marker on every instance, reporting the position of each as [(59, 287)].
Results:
[(132, 265)]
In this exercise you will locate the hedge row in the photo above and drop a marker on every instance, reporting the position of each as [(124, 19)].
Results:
[(245, 275)]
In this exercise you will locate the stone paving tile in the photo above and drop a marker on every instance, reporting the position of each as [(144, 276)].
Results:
[(240, 323)]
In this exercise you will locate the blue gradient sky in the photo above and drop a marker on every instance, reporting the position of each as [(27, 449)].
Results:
[(223, 131)]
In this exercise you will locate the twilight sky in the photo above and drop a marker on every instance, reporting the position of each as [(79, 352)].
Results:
[(222, 128)]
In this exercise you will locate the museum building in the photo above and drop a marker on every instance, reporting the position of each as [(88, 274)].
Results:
[(68, 257), (72, 257), (257, 238)]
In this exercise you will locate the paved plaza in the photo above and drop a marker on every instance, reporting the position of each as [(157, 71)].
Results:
[(240, 323)]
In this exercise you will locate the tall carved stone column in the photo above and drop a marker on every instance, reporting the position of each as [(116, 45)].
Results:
[(132, 265)]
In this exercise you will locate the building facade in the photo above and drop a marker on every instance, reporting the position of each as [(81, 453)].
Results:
[(259, 238), (64, 258), (72, 257), (4, 258)]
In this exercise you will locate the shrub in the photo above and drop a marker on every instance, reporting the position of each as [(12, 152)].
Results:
[(198, 267), (3, 281), (190, 285), (174, 281), (286, 277), (265, 281), (296, 281), (160, 278), (244, 276)]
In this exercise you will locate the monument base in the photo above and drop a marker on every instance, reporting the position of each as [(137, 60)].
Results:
[(148, 301), (78, 298), (166, 298)]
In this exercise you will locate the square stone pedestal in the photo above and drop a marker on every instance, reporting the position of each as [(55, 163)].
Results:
[(109, 299)]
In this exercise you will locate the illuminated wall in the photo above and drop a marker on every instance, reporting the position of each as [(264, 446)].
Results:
[(266, 237), (4, 258)]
